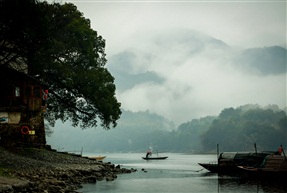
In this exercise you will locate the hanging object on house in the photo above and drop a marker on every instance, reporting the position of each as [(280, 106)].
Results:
[(25, 130)]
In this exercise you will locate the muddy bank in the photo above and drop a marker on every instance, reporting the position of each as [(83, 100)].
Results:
[(43, 170)]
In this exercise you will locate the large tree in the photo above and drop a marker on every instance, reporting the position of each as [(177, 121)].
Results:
[(56, 43)]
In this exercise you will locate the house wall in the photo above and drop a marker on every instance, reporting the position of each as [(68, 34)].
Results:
[(10, 117), (21, 105)]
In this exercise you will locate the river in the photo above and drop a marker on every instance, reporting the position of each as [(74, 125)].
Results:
[(179, 173)]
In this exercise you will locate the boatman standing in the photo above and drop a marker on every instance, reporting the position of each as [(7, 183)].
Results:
[(149, 152)]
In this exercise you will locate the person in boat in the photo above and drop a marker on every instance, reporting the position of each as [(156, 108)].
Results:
[(280, 150), (149, 152)]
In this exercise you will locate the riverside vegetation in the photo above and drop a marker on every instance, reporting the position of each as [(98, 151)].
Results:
[(234, 129), (36, 170)]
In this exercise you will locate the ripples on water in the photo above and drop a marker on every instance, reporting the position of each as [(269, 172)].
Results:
[(179, 173)]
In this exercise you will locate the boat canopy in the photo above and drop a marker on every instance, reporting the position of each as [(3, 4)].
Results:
[(227, 155), (243, 155)]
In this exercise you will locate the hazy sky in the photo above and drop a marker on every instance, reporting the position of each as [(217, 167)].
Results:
[(205, 87), (238, 23)]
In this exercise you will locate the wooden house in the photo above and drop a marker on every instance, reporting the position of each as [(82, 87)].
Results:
[(22, 103)]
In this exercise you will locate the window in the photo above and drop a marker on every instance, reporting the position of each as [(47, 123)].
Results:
[(17, 91)]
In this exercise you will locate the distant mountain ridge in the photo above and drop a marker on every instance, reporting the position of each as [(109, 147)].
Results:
[(127, 71), (266, 60), (131, 67)]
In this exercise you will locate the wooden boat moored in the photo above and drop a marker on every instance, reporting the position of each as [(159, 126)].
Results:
[(98, 158), (274, 167), (228, 162)]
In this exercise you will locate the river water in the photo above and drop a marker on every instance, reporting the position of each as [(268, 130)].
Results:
[(179, 173)]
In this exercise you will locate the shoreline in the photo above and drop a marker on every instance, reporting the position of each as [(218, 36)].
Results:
[(26, 169)]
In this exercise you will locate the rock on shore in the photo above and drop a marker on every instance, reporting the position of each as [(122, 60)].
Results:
[(41, 170)]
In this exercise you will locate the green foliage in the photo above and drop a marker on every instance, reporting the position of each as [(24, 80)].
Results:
[(189, 133), (238, 129), (57, 44), (5, 172), (136, 131)]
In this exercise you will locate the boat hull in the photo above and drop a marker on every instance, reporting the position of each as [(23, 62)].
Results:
[(215, 168), (262, 173), (98, 158), (228, 162), (154, 158), (274, 167)]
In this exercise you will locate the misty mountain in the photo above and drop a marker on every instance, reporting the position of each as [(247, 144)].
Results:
[(120, 67), (132, 67), (188, 42), (183, 73), (266, 61), (135, 132)]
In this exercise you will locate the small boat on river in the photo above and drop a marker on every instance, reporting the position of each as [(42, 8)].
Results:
[(149, 155), (155, 158)]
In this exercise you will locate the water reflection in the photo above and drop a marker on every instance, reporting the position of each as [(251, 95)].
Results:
[(238, 184), (179, 173), (159, 181)]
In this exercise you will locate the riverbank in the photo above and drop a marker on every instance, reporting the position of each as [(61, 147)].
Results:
[(42, 170)]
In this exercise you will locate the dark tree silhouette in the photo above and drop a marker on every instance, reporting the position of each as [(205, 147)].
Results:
[(56, 43)]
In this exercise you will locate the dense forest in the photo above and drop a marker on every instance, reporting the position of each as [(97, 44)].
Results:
[(234, 129), (238, 129)]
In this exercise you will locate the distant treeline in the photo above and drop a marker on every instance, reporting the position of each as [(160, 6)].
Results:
[(234, 129), (238, 129)]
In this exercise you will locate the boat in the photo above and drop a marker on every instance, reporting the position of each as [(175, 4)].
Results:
[(98, 158), (155, 158), (212, 166), (274, 167), (150, 157), (228, 162)]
